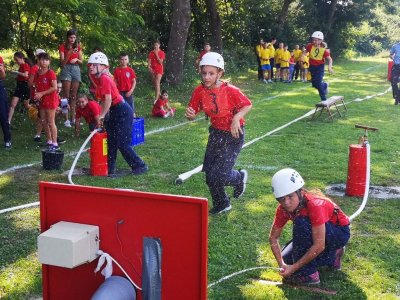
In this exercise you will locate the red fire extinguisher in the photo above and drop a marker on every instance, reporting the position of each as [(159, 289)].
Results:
[(356, 172), (98, 154)]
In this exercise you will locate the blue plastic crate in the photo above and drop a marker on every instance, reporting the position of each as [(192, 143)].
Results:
[(137, 131)]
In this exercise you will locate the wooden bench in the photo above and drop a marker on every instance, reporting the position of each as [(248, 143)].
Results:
[(327, 104)]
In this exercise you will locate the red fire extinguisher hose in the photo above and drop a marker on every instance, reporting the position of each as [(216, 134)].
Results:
[(79, 154)]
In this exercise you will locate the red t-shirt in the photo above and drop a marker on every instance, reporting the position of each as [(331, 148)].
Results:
[(157, 107), (32, 72), (201, 54), (220, 104), (318, 209), (317, 55), (23, 68), (91, 110), (1, 60), (124, 78), (105, 86), (154, 64), (43, 83), (74, 53)]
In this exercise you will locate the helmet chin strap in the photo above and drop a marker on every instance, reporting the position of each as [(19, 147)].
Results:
[(302, 202)]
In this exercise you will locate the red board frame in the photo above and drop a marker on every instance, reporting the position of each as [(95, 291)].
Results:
[(180, 222)]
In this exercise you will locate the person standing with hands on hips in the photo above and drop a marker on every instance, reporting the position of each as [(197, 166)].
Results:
[(317, 56), (156, 68), (395, 55), (320, 230), (226, 106), (120, 119)]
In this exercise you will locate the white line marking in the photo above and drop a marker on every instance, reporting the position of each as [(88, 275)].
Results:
[(18, 207)]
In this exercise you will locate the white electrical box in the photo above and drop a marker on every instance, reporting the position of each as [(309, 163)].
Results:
[(68, 244)]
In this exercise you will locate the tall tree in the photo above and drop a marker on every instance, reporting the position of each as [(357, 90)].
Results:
[(283, 15), (215, 24), (180, 22)]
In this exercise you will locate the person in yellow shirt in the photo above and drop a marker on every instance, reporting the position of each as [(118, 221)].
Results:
[(258, 48), (285, 58), (265, 63), (272, 56), (297, 55), (305, 63), (278, 54)]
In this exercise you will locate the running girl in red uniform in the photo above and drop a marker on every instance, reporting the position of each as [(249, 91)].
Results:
[(156, 68), (46, 92), (90, 111), (22, 89), (161, 107), (70, 76), (320, 230), (226, 106)]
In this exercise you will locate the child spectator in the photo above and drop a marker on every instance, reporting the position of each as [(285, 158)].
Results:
[(305, 65), (258, 48), (161, 107), (292, 65), (33, 106), (265, 64), (125, 79), (226, 106), (297, 55), (156, 68), (271, 48), (46, 92), (5, 125), (278, 55), (89, 110), (285, 57), (22, 89), (206, 49)]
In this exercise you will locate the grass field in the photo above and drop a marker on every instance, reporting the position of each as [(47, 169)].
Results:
[(239, 240)]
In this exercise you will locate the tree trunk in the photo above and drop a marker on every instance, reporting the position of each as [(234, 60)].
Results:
[(215, 25), (283, 15), (331, 15), (180, 23)]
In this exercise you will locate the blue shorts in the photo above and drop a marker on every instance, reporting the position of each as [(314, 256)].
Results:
[(265, 67), (278, 66)]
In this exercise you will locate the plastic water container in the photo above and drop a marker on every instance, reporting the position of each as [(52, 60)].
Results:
[(137, 131), (52, 160)]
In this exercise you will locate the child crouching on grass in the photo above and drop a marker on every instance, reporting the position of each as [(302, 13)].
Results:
[(161, 107), (88, 109), (46, 92)]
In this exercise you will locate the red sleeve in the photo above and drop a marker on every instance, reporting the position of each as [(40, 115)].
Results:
[(281, 218), (195, 101), (61, 48), (95, 107), (239, 99), (25, 68), (1, 60), (133, 74), (52, 75), (78, 113), (106, 85), (308, 47), (161, 55), (327, 53)]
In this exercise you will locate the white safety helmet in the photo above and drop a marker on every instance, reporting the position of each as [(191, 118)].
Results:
[(213, 59), (38, 51), (98, 58), (285, 182), (318, 35)]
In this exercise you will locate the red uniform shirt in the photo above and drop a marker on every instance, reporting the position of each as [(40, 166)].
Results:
[(23, 68), (201, 54), (43, 83), (32, 72), (318, 209), (106, 85), (124, 78), (157, 107), (89, 112), (154, 64), (220, 104), (73, 54), (317, 55)]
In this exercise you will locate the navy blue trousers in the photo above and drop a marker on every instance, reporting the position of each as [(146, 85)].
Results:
[(219, 160), (317, 76), (395, 81), (130, 100), (335, 238), (119, 130), (4, 114)]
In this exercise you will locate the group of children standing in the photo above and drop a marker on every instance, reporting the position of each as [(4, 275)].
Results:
[(288, 64)]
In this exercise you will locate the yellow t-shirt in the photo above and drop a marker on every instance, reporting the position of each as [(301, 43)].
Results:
[(285, 56), (258, 49), (306, 61), (271, 50), (264, 56), (297, 54), (278, 53)]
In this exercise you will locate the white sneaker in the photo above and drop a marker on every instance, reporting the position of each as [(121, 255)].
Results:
[(265, 81), (67, 123), (270, 81)]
